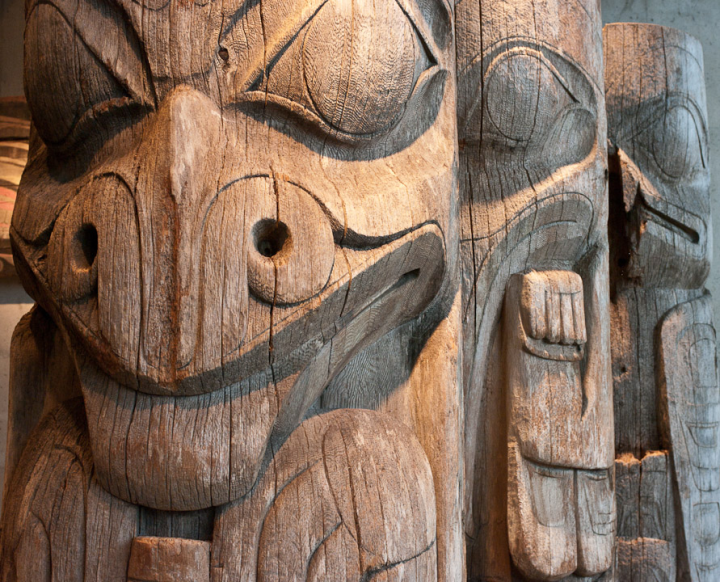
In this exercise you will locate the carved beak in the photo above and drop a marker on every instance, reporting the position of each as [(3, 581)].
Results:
[(657, 227), (190, 286)]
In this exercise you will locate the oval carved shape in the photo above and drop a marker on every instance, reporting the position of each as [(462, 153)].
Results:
[(360, 80)]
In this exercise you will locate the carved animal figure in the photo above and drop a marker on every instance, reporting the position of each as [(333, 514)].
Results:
[(539, 497), (664, 354), (225, 204)]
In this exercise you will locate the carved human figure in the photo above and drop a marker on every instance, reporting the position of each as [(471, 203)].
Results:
[(561, 506), (224, 204), (538, 400), (663, 348)]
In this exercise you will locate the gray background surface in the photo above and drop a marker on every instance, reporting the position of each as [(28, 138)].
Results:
[(701, 18)]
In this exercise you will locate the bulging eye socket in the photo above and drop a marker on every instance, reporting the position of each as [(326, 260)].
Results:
[(524, 96), (567, 100), (676, 144), (572, 137), (668, 127), (76, 101), (278, 87), (360, 82)]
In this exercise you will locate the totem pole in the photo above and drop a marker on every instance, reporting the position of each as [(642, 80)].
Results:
[(227, 206), (539, 498), (667, 399)]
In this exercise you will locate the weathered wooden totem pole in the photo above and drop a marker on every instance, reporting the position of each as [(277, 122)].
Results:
[(539, 499), (226, 206), (667, 399), (281, 322)]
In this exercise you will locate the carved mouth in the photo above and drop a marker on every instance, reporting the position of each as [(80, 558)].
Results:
[(664, 220), (359, 281)]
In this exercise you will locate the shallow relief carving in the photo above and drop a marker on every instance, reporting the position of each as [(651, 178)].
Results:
[(538, 399), (225, 206), (250, 359), (664, 347)]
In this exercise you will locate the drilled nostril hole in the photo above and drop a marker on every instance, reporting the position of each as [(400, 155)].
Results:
[(270, 237), (86, 246)]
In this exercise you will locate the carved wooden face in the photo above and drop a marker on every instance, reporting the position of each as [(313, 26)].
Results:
[(222, 195), (657, 125), (530, 112)]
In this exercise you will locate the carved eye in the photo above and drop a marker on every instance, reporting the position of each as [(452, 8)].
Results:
[(361, 61), (65, 78), (675, 143), (67, 83), (353, 68), (524, 97), (535, 101)]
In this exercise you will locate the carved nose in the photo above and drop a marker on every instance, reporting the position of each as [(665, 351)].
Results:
[(177, 263), (209, 248), (292, 251), (177, 183)]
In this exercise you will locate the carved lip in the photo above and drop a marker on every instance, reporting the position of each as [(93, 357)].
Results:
[(415, 258), (674, 219), (554, 351)]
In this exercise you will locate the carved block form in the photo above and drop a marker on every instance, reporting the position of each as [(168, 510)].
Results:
[(561, 504), (667, 397), (539, 499), (226, 205)]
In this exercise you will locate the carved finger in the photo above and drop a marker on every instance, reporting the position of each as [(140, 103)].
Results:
[(578, 305), (567, 315), (554, 319), (533, 306)]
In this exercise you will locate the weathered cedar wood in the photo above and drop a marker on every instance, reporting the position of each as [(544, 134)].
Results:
[(539, 491), (286, 329), (667, 398), (239, 223)]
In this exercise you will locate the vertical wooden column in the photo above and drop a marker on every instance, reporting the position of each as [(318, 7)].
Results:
[(239, 223), (539, 501), (663, 348)]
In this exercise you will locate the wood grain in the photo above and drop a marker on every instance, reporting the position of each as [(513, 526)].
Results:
[(660, 257), (532, 130), (227, 207)]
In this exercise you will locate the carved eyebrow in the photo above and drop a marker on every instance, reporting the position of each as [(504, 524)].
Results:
[(125, 60), (430, 32), (445, 16), (274, 46), (290, 27)]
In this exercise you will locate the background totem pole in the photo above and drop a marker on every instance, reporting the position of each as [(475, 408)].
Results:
[(667, 399), (539, 497)]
